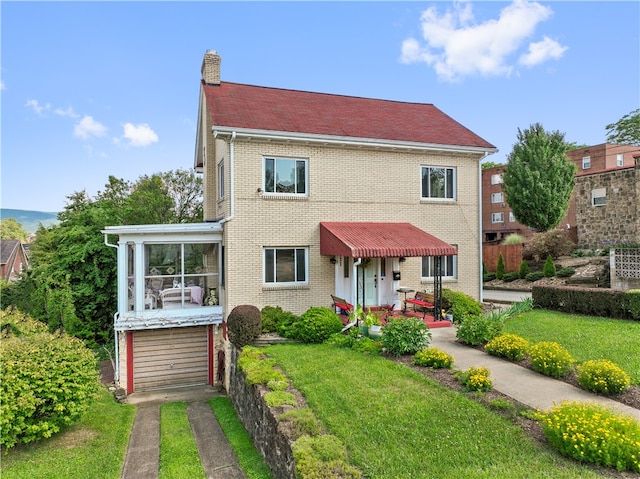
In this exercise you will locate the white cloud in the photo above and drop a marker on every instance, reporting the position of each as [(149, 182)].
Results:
[(2, 87), (88, 127), (69, 112), (540, 52), (37, 107), (456, 46), (139, 135)]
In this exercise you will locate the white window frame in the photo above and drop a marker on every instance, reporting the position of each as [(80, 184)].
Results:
[(497, 217), (273, 274), (599, 197), (221, 180), (449, 267), (620, 159), (496, 197), (496, 179), (512, 217), (586, 162), (448, 195), (270, 190)]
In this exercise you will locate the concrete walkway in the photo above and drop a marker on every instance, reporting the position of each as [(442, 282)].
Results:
[(142, 460), (528, 387)]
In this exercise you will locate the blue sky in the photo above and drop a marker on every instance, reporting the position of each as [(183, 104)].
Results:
[(94, 89)]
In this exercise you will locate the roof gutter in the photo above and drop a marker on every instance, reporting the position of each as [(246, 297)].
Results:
[(311, 138)]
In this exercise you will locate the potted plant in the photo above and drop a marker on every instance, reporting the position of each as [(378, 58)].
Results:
[(373, 324)]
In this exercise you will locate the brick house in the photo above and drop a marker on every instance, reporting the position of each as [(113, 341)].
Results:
[(309, 195), (13, 259)]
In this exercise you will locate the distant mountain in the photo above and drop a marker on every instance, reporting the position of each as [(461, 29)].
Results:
[(30, 220)]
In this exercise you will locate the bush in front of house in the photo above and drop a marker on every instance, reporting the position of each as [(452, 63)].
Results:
[(476, 378), (48, 380), (459, 304), (509, 277), (500, 268), (554, 242), (524, 269), (475, 329), (551, 359), (244, 325), (534, 276), (565, 272), (510, 346), (549, 268), (405, 335), (276, 320), (316, 325), (433, 358), (602, 376), (590, 432)]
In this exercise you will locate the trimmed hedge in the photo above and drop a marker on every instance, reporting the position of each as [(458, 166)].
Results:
[(48, 380), (607, 303)]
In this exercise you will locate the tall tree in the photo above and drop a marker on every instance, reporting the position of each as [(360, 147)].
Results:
[(10, 228), (625, 131), (539, 178)]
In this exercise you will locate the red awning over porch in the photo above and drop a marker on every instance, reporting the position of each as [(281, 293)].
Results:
[(379, 240)]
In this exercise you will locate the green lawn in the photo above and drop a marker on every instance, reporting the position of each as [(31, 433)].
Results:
[(179, 456), (398, 424), (585, 337)]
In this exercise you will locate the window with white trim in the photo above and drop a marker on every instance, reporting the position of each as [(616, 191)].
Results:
[(496, 197), (285, 176), (221, 180), (497, 217), (620, 159), (512, 217), (449, 266), (438, 183), (285, 266), (496, 179), (599, 197), (586, 162)]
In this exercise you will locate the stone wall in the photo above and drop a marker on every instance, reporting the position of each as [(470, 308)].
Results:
[(618, 220), (260, 422)]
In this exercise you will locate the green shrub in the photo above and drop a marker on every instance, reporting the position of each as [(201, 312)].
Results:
[(601, 302), (48, 380), (602, 376), (631, 303), (244, 325), (593, 433), (509, 277), (478, 329), (433, 358), (550, 359), (554, 242), (277, 384), (257, 368), (322, 456), (316, 325), (510, 346), (524, 269), (549, 268), (275, 320), (500, 269), (534, 276), (280, 398), (302, 421), (367, 345), (476, 378), (513, 238), (405, 336), (459, 304), (565, 272), (518, 307), (488, 277)]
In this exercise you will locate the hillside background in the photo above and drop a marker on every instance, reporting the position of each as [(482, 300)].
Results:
[(30, 220)]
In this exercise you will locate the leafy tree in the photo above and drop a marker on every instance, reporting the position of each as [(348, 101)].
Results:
[(490, 164), (539, 178), (625, 131), (10, 228)]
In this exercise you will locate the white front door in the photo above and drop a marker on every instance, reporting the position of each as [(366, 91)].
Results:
[(368, 282)]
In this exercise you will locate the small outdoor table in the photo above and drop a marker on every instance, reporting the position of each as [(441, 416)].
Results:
[(405, 291)]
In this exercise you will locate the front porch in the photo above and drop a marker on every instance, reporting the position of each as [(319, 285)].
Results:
[(384, 315)]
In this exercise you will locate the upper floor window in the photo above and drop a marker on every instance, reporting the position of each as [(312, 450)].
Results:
[(620, 159), (496, 197), (449, 267), (438, 182), (599, 197), (285, 265), (496, 179), (586, 162), (285, 175), (497, 217), (221, 180), (512, 217)]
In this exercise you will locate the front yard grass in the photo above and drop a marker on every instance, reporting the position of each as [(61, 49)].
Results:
[(585, 337), (179, 456), (398, 424)]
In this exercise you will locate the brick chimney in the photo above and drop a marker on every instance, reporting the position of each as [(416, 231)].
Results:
[(211, 68)]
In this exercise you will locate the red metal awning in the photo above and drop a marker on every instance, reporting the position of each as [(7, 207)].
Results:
[(380, 240)]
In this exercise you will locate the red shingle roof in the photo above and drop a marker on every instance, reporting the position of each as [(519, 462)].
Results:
[(380, 240), (234, 105)]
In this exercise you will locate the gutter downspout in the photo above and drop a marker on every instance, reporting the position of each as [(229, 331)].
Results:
[(486, 153), (116, 367), (232, 183), (354, 291)]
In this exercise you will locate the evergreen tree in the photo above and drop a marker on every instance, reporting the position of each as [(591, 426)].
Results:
[(500, 269), (549, 269)]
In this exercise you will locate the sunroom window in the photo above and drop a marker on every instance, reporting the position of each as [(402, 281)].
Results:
[(180, 275)]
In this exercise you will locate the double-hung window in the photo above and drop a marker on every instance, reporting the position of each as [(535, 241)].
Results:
[(285, 265), (438, 183), (586, 162), (449, 267), (599, 197), (496, 179), (497, 217), (619, 159), (496, 197), (286, 176), (221, 180)]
